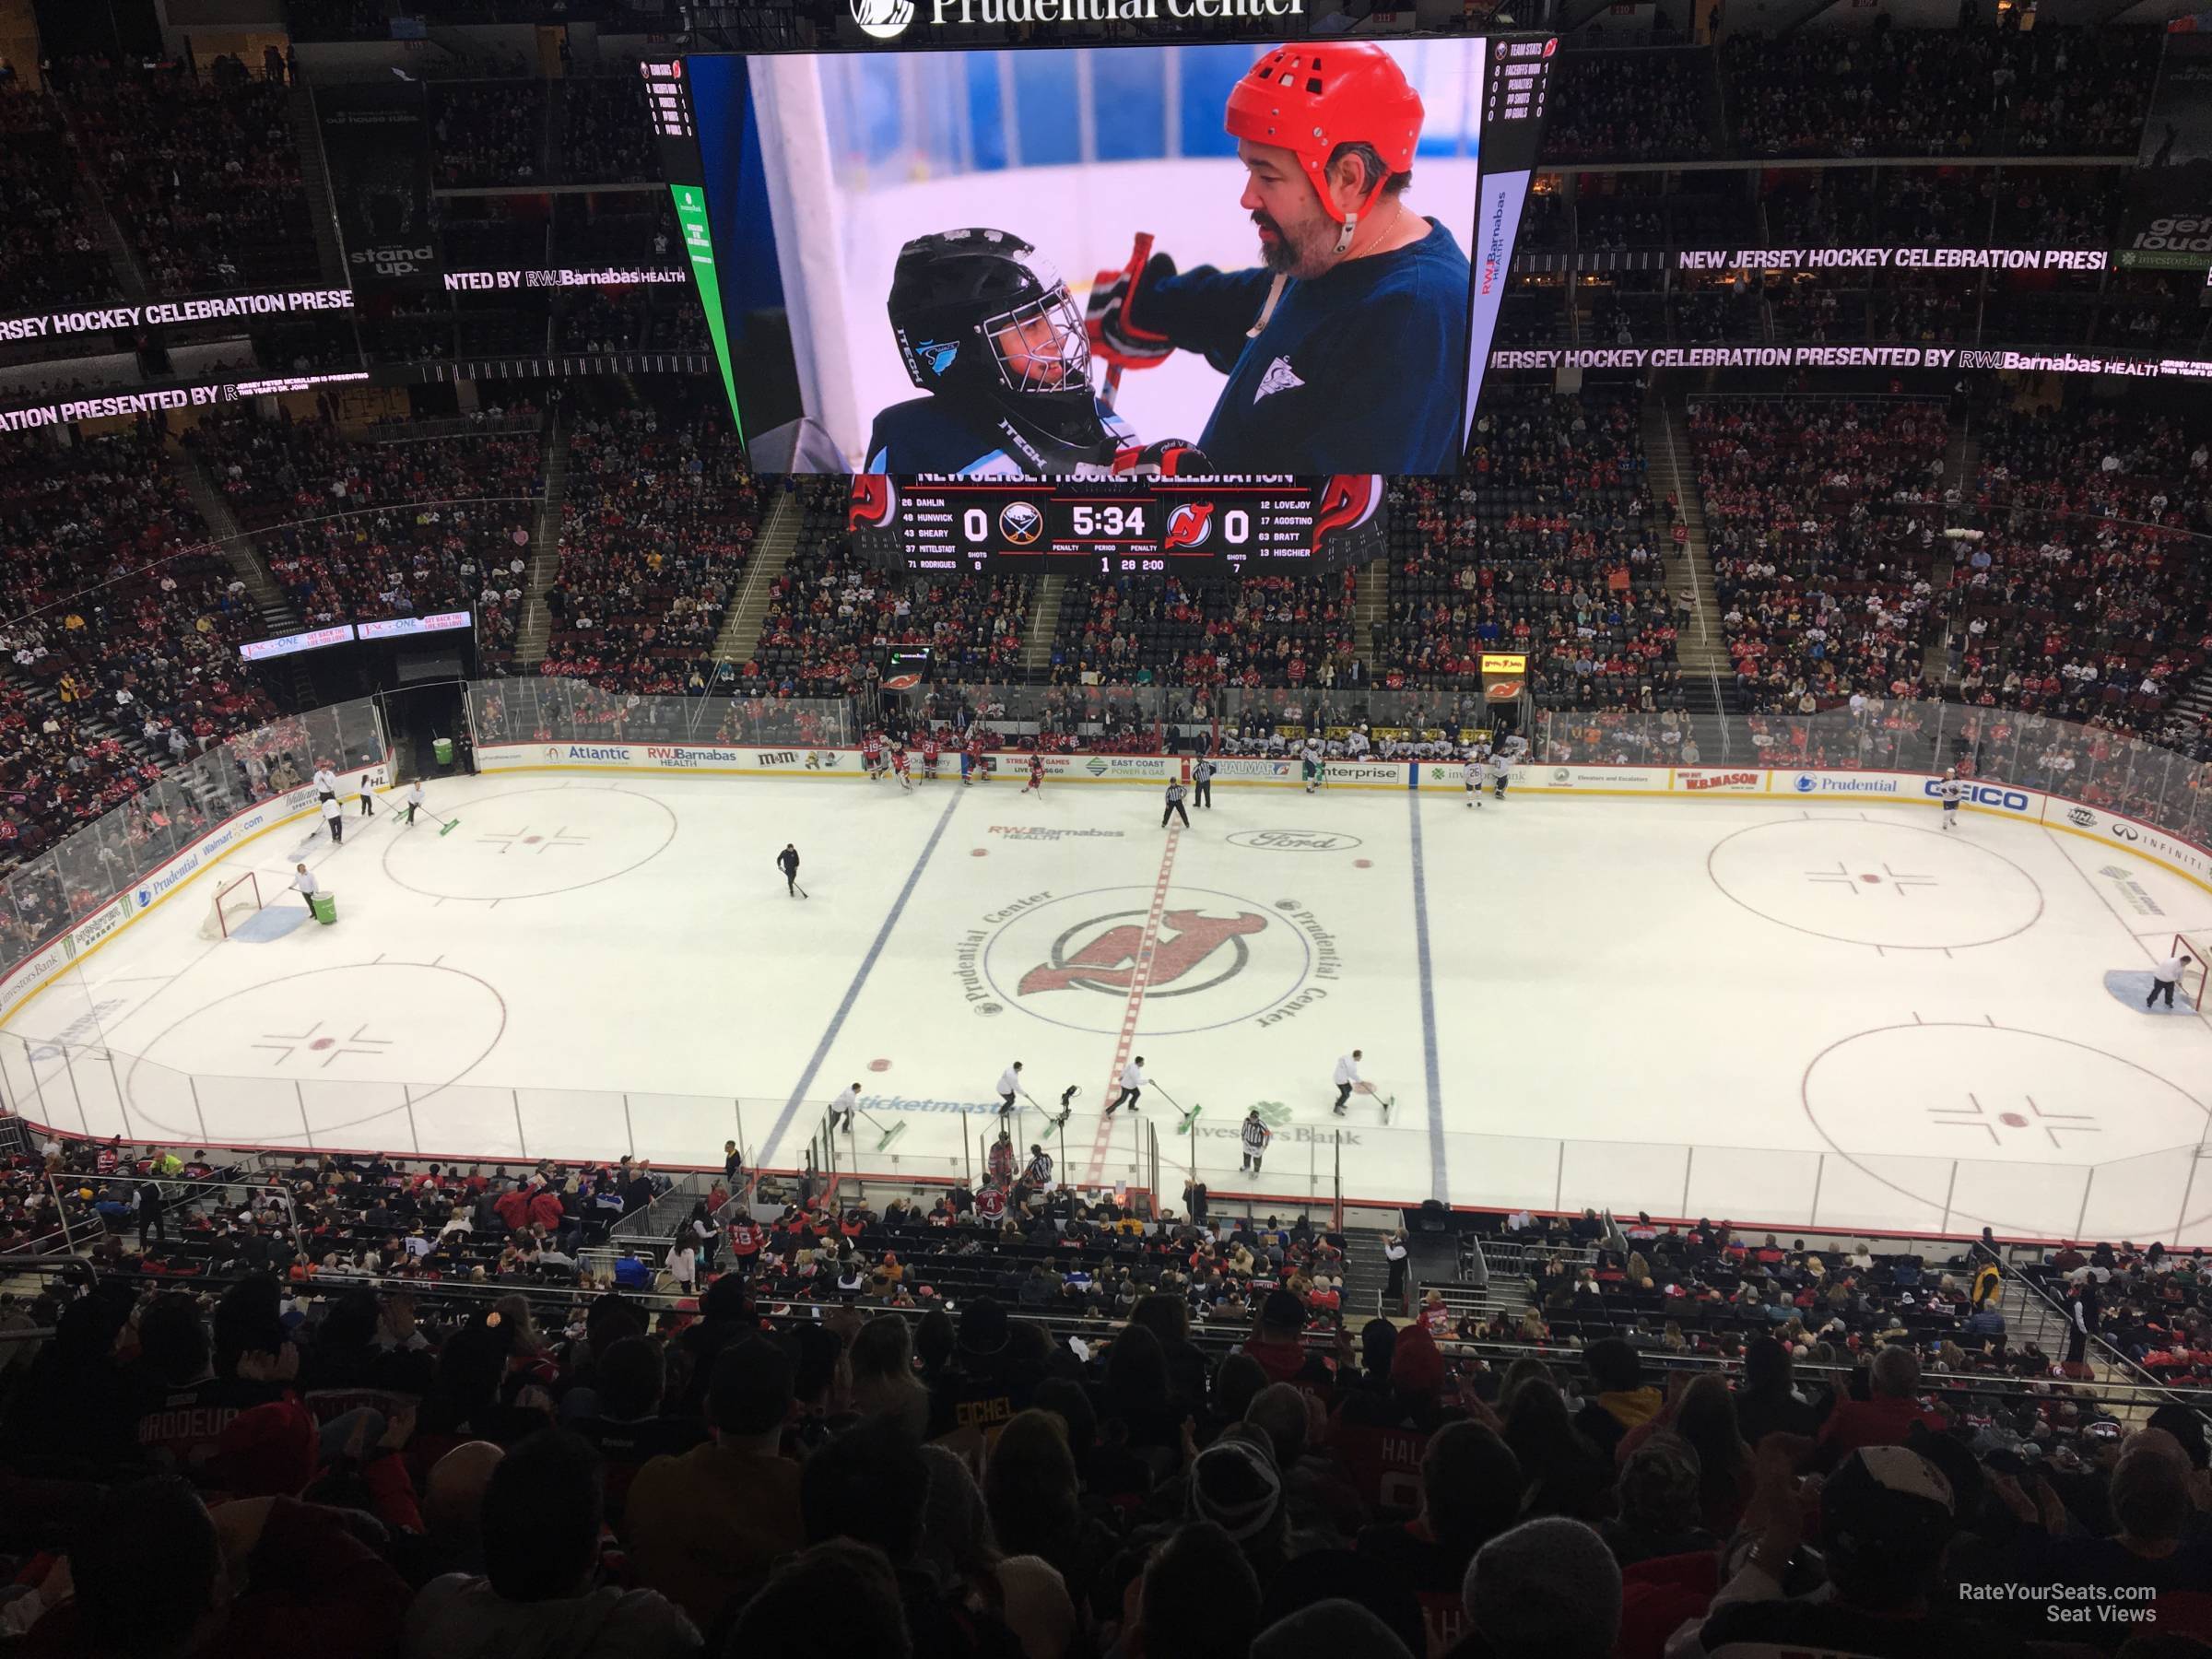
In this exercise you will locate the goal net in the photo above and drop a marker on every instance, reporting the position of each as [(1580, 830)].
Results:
[(234, 902), (2191, 988)]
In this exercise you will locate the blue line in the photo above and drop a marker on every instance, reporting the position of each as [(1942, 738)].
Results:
[(867, 964), (1438, 1188)]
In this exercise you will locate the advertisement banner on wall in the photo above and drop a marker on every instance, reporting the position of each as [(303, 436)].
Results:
[(1592, 780), (2168, 220), (376, 143), (1719, 780)]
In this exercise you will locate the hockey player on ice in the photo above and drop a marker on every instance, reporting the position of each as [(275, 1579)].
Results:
[(985, 327), (1950, 791), (1311, 767), (1471, 774), (1345, 348), (1501, 771)]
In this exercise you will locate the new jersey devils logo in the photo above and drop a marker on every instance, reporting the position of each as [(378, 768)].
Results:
[(872, 503), (1107, 961), (1347, 502), (1189, 525)]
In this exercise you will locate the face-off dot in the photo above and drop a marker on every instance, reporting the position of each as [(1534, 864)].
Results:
[(324, 1042), (880, 1065), (2013, 1120)]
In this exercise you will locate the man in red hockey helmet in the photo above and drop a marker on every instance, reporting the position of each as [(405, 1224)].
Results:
[(1345, 347)]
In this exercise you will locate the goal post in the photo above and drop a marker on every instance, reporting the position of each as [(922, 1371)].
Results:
[(233, 901), (2191, 987)]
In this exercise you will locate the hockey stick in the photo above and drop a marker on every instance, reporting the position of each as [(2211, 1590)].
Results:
[(1140, 254)]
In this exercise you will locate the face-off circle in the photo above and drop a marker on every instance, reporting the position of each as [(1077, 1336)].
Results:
[(529, 844), (1993, 1123), (1861, 881), (320, 1052), (1217, 959)]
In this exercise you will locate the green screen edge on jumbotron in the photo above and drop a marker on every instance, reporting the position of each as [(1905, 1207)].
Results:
[(699, 246)]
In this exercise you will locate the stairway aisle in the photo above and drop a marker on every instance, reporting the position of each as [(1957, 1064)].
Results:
[(1701, 646), (773, 550), (536, 631), (1043, 620), (278, 614)]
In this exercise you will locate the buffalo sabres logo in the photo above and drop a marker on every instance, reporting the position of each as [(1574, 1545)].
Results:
[(1020, 523), (1191, 524), (1188, 942)]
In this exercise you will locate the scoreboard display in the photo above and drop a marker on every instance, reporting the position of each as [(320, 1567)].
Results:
[(1142, 528)]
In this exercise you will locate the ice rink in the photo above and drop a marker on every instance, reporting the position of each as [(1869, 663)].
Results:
[(1798, 1016)]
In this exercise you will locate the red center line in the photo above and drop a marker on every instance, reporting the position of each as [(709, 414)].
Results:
[(1146, 944)]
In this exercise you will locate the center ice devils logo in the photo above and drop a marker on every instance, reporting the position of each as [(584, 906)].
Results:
[(1107, 961), (1190, 525), (882, 20)]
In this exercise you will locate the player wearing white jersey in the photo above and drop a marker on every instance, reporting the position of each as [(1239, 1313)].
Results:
[(1255, 1136), (1502, 769), (1347, 1078), (1950, 791), (1133, 1085), (1471, 774), (1312, 764)]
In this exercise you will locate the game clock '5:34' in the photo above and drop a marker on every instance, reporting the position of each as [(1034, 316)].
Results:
[(1115, 528)]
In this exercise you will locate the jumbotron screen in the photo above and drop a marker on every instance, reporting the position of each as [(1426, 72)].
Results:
[(1200, 259)]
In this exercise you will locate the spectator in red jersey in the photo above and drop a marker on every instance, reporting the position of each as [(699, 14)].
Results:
[(1886, 1417)]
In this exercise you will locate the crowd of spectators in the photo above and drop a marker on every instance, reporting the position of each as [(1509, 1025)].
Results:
[(1226, 1462), (1823, 520), (125, 619), (1939, 92), (486, 133), (1644, 106), (606, 133), (1252, 631), (202, 176), (360, 526), (50, 258), (1544, 549), (2087, 597), (656, 527)]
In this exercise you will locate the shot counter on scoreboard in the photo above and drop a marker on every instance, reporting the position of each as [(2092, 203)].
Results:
[(1114, 529)]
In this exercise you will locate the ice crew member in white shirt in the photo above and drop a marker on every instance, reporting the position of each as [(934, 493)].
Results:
[(2164, 977), (1501, 769), (1133, 1085), (414, 801), (1347, 1078), (844, 1106), (1256, 1135), (1471, 774), (1009, 1084), (1950, 791), (303, 882), (333, 816), (326, 784)]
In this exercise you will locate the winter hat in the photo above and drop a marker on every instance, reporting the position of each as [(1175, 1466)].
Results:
[(1416, 1364), (1548, 1587), (1328, 1629), (1234, 1485), (268, 1452)]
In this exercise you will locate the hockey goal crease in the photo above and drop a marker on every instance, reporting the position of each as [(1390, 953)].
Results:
[(234, 902)]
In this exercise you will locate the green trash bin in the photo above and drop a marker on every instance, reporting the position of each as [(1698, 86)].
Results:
[(326, 907), (443, 748)]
